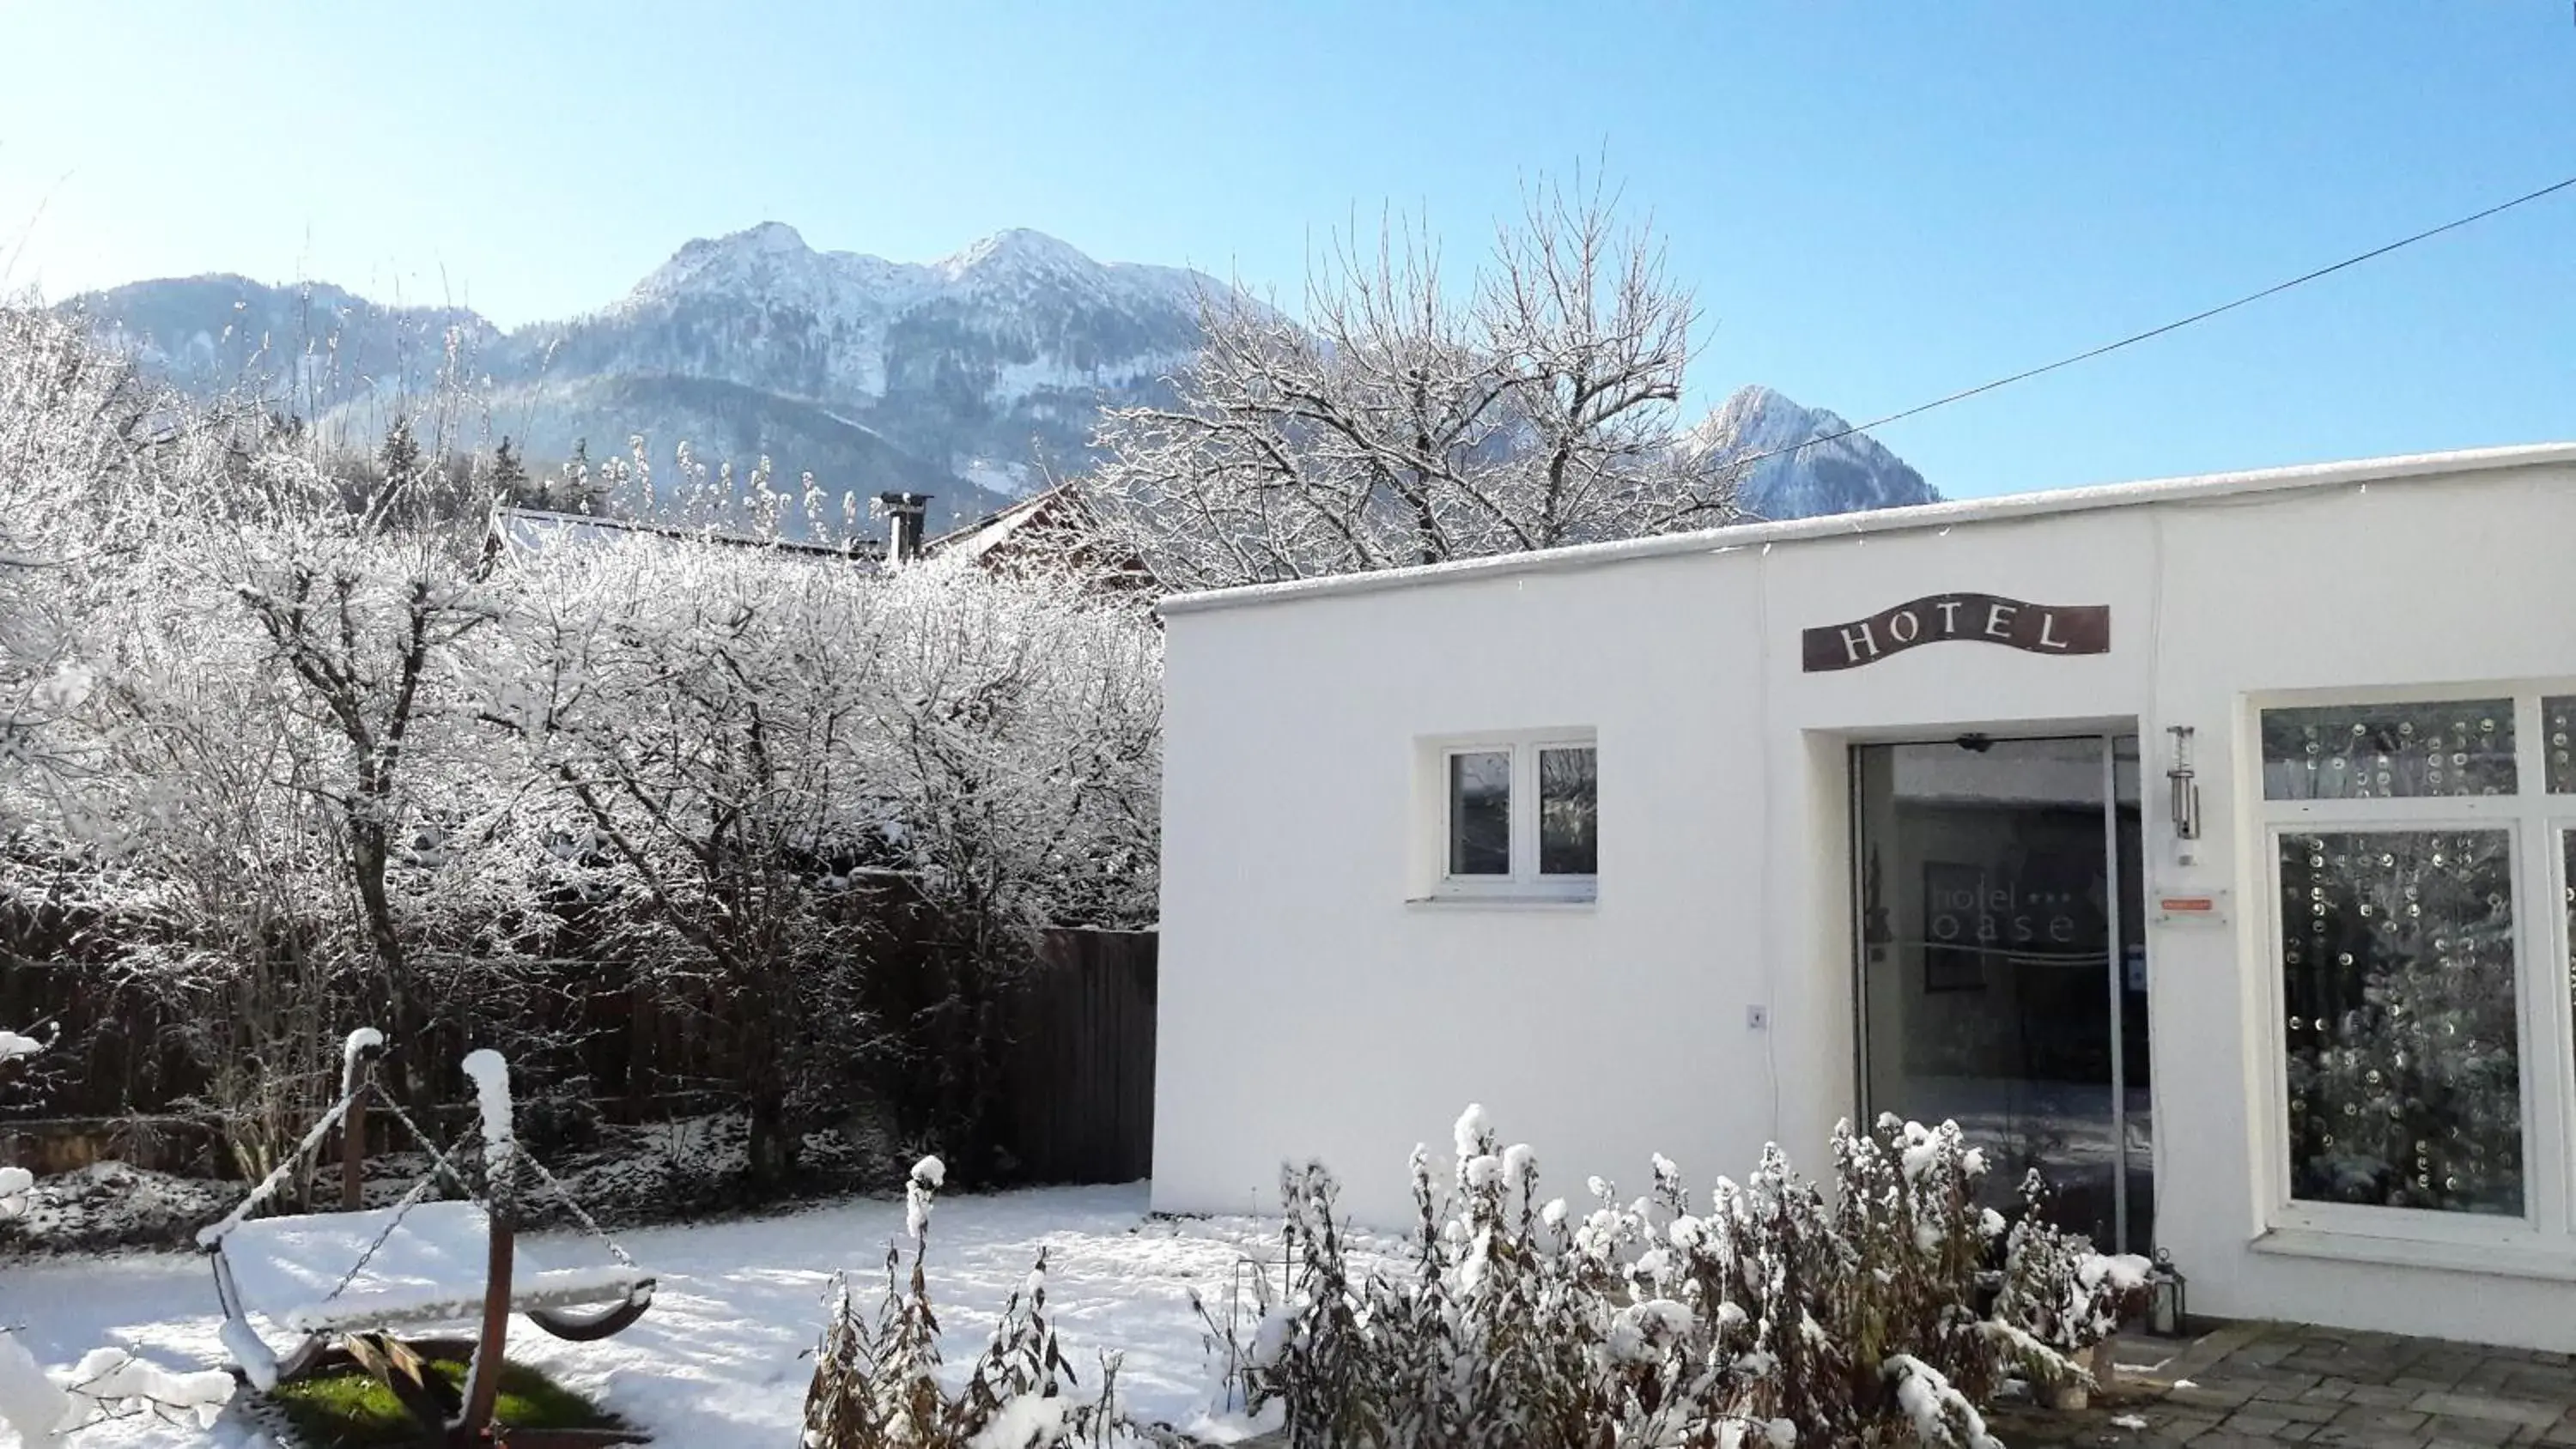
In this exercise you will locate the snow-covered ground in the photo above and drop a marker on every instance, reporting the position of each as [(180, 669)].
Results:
[(717, 1360)]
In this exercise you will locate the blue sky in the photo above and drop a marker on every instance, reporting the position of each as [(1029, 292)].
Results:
[(1876, 204)]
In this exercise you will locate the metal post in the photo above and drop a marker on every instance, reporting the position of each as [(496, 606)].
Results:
[(2115, 956), (483, 1382), (1856, 839)]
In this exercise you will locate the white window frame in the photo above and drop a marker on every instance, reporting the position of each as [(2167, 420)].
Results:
[(1524, 880), (2545, 1021)]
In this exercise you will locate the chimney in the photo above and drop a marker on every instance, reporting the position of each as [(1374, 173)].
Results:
[(903, 514)]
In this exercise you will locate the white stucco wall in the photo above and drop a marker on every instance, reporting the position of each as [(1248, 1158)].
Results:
[(1308, 1010)]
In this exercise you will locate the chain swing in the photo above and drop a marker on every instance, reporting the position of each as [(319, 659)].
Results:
[(268, 1266)]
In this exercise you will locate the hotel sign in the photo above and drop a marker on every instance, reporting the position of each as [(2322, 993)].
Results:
[(1978, 618)]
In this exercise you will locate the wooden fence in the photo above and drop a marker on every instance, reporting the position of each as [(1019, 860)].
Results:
[(1076, 1093), (1078, 1090)]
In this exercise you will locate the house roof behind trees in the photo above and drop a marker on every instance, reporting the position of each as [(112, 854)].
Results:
[(537, 529), (1045, 530)]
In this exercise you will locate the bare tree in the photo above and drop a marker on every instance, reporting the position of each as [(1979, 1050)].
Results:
[(1410, 420), (1017, 746), (220, 895), (692, 710), (365, 609)]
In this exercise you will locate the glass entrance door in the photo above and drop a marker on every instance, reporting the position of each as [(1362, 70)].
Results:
[(2003, 962)]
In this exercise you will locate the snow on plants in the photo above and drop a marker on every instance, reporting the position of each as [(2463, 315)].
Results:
[(1772, 1312), (1938, 1413), (919, 1188), (1294, 448), (877, 1382), (727, 1349), (309, 733), (30, 1401), (107, 1383), (113, 1204), (2061, 1297)]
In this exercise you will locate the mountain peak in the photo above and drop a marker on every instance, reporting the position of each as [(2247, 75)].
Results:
[(1758, 410), (1017, 246), (770, 259), (1831, 470), (769, 236), (768, 240)]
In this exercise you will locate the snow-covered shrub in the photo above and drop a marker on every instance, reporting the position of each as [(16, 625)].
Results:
[(86, 454), (1764, 1313), (780, 762), (877, 1381), (2062, 1294)]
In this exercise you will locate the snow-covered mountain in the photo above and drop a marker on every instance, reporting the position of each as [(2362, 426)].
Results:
[(972, 378), (1847, 475), (313, 346), (989, 365)]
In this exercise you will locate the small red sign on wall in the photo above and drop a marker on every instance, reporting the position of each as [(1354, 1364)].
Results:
[(1972, 618), (2190, 907)]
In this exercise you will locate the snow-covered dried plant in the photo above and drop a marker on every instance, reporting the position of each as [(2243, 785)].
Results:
[(877, 1384), (2061, 1296), (876, 1379), (1775, 1314), (1337, 1373), (1412, 418)]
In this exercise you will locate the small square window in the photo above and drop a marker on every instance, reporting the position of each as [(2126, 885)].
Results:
[(1519, 816), (1480, 813), (1568, 811)]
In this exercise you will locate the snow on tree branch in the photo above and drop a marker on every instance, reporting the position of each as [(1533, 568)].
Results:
[(1413, 418)]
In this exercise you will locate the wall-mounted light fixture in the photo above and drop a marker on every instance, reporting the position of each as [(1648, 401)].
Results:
[(2186, 789)]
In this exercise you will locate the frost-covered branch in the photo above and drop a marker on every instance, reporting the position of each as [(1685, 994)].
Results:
[(1411, 418)]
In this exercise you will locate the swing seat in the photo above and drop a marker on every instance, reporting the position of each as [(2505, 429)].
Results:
[(429, 1272), (355, 1277)]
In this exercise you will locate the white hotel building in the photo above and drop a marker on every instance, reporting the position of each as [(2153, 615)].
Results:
[(2206, 844)]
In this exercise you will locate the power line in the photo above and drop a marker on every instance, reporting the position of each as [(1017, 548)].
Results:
[(2134, 339)]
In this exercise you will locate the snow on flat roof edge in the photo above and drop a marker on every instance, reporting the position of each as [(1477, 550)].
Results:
[(1889, 520)]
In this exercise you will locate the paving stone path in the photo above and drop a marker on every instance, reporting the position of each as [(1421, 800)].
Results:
[(2246, 1385), (2254, 1384)]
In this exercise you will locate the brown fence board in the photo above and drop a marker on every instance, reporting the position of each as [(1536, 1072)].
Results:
[(1078, 1086)]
